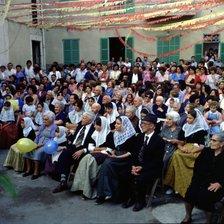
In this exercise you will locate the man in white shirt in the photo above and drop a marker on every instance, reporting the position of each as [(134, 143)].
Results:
[(10, 70), (3, 74), (147, 163), (29, 70), (127, 63), (76, 151), (138, 103), (80, 73)]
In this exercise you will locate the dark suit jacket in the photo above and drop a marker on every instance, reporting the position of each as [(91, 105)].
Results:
[(130, 78), (100, 101), (88, 138), (153, 157)]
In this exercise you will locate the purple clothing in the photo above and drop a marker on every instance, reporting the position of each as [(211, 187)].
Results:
[(42, 127)]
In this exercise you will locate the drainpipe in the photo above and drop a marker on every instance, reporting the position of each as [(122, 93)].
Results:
[(43, 42)]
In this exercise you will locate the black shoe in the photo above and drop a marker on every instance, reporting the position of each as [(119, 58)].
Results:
[(187, 222), (26, 174), (61, 187), (128, 203), (34, 177), (138, 206), (84, 197), (100, 200)]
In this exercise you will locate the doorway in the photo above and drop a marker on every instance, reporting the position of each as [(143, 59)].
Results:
[(117, 49), (36, 52)]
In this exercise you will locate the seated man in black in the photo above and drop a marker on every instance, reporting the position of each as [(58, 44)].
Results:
[(147, 163), (77, 149)]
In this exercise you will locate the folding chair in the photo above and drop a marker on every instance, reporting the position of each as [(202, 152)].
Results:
[(151, 192)]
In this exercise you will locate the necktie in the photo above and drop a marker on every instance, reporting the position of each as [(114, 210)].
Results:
[(142, 150), (80, 137)]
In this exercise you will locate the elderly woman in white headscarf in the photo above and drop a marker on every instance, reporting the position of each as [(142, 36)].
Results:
[(191, 143), (46, 132), (8, 128), (14, 158), (87, 171), (119, 162)]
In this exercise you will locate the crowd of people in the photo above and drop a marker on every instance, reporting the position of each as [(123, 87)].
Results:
[(119, 127)]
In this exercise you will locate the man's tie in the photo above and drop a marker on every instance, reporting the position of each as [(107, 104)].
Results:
[(80, 137), (142, 150)]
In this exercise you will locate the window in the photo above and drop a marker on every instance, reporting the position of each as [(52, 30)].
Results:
[(71, 51), (169, 46)]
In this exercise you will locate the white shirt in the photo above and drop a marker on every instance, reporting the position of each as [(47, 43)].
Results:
[(138, 112), (85, 134), (134, 78), (149, 137)]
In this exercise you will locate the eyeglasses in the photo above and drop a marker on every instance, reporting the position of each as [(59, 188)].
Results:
[(214, 140)]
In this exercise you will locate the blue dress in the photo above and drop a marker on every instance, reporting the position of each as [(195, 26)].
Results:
[(213, 129)]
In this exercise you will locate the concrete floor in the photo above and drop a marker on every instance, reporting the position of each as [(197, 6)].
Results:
[(36, 204)]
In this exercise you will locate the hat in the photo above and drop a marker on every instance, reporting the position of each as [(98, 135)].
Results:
[(150, 118)]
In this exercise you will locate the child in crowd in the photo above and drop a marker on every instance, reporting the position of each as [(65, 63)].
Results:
[(61, 139), (213, 118), (29, 108)]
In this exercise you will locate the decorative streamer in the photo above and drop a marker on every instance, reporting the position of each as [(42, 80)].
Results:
[(6, 11), (168, 53)]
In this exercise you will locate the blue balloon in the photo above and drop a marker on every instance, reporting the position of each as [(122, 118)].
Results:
[(50, 146)]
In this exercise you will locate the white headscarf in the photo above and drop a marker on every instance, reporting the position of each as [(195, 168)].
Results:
[(62, 135), (127, 131), (7, 115), (100, 136), (198, 125), (114, 114), (29, 125)]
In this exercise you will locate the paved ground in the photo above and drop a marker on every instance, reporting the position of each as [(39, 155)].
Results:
[(36, 204)]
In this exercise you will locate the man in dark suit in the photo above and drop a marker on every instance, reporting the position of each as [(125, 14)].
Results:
[(135, 76), (147, 163), (99, 98), (75, 152)]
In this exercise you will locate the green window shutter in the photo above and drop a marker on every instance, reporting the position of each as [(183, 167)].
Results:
[(130, 9), (222, 52), (174, 45), (128, 52), (162, 47), (104, 45), (198, 51), (71, 51), (168, 46)]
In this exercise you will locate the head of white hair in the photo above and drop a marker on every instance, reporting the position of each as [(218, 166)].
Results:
[(173, 115), (50, 115), (90, 115), (132, 109), (160, 98)]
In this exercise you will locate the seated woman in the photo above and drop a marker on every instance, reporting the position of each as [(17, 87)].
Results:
[(191, 143), (8, 128), (46, 132), (60, 116), (87, 171), (111, 113), (207, 183), (14, 158), (170, 133), (61, 139), (119, 162)]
